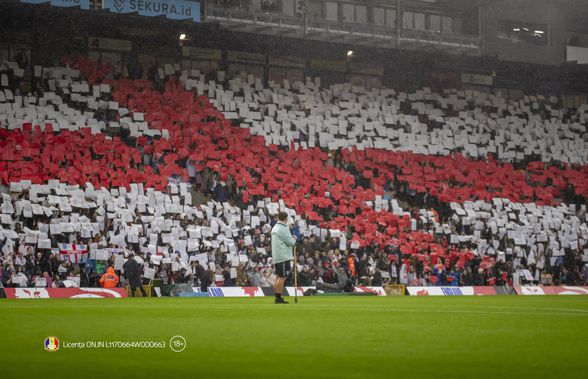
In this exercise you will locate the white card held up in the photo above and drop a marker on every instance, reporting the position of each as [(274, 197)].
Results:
[(149, 273), (119, 260), (102, 254)]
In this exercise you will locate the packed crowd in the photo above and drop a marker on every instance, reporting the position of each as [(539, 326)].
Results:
[(167, 176)]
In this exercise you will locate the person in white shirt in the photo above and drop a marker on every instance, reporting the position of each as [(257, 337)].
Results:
[(19, 260), (19, 279)]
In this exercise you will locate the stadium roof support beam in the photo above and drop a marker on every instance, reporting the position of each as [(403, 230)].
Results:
[(325, 30), (398, 21)]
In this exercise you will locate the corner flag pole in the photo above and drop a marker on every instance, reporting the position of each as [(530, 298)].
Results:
[(295, 276)]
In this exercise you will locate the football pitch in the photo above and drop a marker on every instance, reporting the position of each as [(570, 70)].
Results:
[(321, 337)]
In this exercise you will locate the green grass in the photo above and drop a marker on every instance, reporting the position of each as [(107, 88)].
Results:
[(321, 337)]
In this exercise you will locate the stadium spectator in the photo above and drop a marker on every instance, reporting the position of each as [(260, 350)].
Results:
[(221, 192), (48, 279), (341, 281), (19, 279), (304, 277), (184, 277)]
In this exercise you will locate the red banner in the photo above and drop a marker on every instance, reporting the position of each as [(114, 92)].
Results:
[(555, 290), (484, 290), (46, 293)]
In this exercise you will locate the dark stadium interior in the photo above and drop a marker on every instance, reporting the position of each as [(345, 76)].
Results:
[(59, 31)]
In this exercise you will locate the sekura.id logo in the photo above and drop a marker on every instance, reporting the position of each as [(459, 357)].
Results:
[(119, 5), (154, 7)]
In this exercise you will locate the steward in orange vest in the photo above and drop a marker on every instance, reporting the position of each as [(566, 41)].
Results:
[(110, 279)]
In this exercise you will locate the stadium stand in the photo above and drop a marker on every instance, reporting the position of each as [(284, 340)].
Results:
[(195, 170)]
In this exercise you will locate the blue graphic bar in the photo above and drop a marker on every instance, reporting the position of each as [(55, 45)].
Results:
[(83, 4)]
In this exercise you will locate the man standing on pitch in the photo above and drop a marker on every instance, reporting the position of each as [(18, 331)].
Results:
[(282, 242), (132, 270)]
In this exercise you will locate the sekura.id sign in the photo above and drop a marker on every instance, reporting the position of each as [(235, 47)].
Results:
[(173, 9)]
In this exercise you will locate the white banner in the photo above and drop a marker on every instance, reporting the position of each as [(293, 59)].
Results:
[(481, 80), (259, 292)]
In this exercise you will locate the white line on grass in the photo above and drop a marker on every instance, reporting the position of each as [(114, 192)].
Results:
[(310, 307), (537, 308)]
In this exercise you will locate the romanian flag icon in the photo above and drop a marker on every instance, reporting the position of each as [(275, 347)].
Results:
[(51, 344)]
